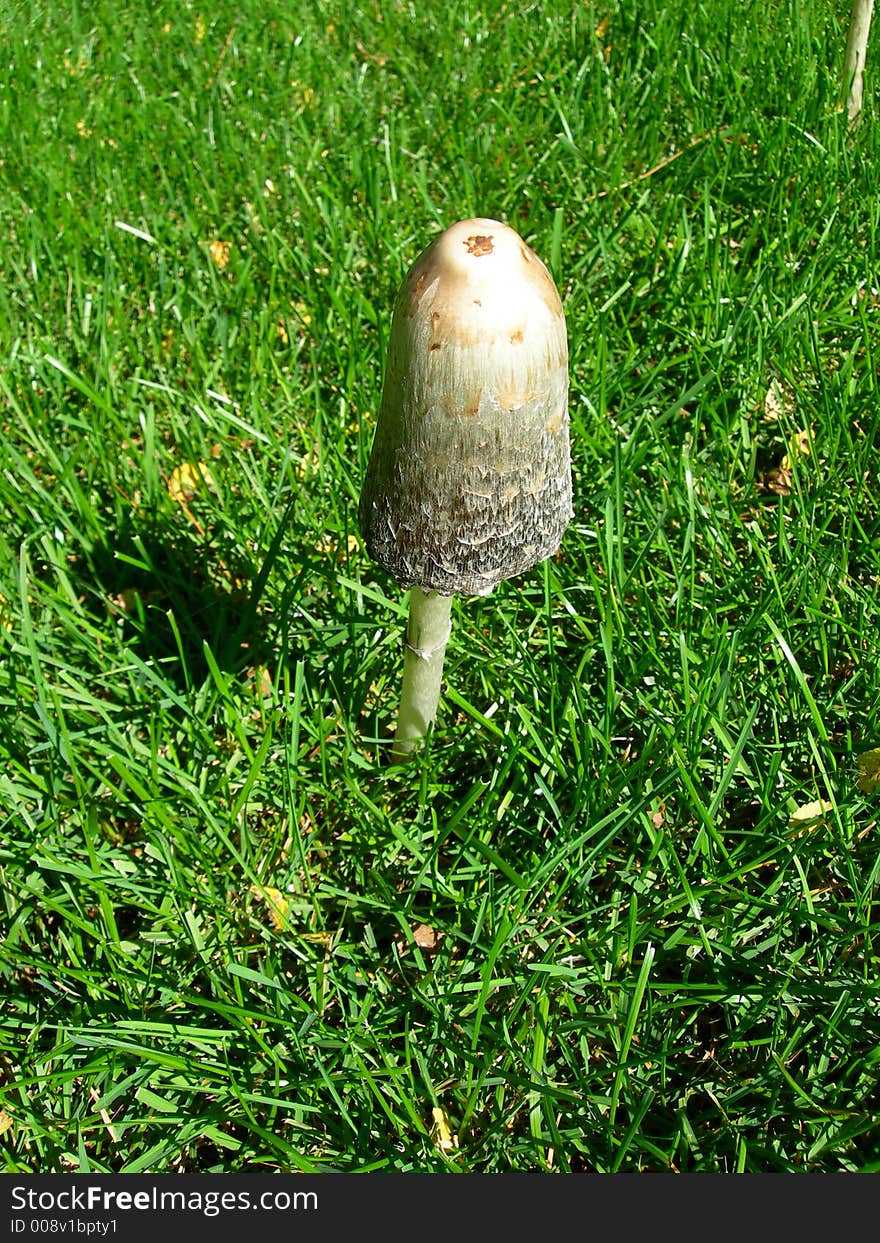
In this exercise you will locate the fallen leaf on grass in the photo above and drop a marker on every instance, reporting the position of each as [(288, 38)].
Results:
[(219, 252), (779, 479), (810, 816), (426, 937), (444, 1138), (799, 445), (302, 314), (868, 780), (777, 402), (336, 548), (276, 903), (5, 1122), (187, 479)]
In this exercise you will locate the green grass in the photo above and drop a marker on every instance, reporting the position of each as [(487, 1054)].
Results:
[(639, 962)]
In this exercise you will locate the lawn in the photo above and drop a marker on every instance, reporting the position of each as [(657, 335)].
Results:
[(619, 914)]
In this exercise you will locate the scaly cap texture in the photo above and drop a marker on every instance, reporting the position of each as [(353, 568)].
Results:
[(469, 479)]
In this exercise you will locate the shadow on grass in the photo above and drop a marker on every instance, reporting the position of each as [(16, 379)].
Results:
[(181, 600)]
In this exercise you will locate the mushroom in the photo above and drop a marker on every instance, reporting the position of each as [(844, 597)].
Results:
[(469, 478)]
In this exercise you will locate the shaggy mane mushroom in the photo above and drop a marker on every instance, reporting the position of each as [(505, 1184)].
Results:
[(469, 478)]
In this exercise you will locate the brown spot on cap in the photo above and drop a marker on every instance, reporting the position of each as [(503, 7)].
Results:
[(555, 422), (479, 245), (511, 395), (516, 337), (473, 406)]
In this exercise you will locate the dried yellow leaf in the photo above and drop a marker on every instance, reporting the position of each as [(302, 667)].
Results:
[(303, 93), (810, 816), (777, 402), (276, 903), (6, 1121), (219, 252), (868, 779), (799, 445), (187, 479), (444, 1138), (335, 548), (302, 312)]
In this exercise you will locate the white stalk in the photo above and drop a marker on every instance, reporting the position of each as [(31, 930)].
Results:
[(854, 59), (427, 633)]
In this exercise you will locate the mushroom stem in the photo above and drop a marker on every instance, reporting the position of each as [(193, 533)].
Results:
[(427, 632), (854, 57)]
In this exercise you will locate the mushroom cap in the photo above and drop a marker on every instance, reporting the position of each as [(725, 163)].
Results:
[(469, 478)]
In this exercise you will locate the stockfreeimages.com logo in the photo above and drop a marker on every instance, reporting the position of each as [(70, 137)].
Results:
[(93, 1199)]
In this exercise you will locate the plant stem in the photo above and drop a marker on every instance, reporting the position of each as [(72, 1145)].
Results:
[(427, 631), (854, 58)]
